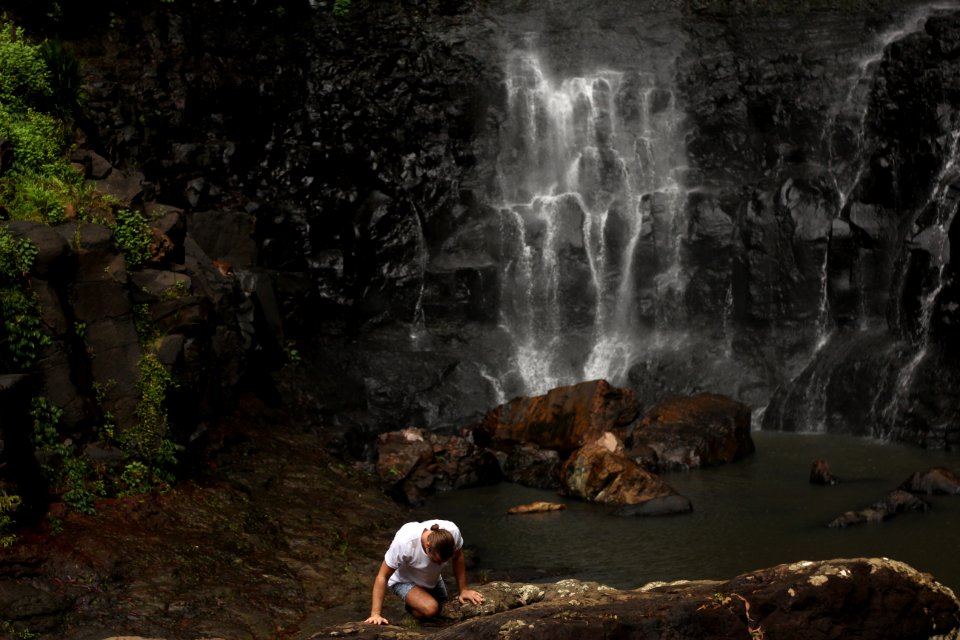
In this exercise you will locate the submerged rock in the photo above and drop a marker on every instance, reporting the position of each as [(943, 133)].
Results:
[(820, 473), (936, 480), (893, 503), (536, 507)]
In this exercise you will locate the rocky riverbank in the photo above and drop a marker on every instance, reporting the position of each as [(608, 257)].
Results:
[(275, 539), (279, 539)]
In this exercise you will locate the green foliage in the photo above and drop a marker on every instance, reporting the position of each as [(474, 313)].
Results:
[(24, 79), (149, 440), (10, 630), (341, 7), (25, 337), (133, 237), (40, 181), (143, 324), (39, 140), (67, 473), (16, 256), (292, 353), (8, 505), (136, 478), (46, 417), (80, 498)]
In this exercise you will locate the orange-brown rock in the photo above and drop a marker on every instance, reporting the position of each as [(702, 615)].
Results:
[(536, 507), (562, 419), (597, 474), (691, 432)]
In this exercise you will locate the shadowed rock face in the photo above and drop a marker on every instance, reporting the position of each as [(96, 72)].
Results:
[(364, 153)]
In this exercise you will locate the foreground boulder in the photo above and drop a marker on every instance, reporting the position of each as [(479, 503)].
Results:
[(692, 432), (864, 597)]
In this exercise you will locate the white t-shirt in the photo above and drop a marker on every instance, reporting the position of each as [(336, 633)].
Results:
[(410, 561)]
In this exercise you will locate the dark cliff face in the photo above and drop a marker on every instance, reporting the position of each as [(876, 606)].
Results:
[(374, 154)]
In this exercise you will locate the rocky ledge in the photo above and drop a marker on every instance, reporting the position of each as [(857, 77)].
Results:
[(873, 597)]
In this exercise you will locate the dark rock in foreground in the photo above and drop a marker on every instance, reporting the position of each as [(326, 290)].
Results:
[(863, 597)]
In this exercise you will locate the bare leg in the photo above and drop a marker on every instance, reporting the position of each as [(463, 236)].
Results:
[(421, 603)]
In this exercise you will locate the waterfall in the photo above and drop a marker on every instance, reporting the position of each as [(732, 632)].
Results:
[(587, 182), (843, 139), (935, 241), (843, 148), (417, 324)]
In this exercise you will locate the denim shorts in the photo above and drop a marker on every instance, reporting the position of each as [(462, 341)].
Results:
[(439, 592)]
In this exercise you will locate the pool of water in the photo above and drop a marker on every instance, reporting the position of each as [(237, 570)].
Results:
[(748, 515)]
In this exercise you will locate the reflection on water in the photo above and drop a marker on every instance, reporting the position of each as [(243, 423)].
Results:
[(748, 515)]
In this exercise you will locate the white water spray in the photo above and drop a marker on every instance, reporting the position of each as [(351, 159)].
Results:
[(581, 161)]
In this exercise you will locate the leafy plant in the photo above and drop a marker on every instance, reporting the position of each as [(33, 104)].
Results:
[(149, 439), (16, 256), (8, 505), (133, 237), (12, 631), (25, 337), (136, 478), (39, 183), (65, 471), (341, 7), (46, 417), (77, 495), (25, 79)]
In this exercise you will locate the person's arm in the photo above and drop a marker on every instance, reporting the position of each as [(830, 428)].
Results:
[(379, 591), (460, 573)]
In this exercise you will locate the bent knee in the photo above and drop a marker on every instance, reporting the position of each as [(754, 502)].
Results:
[(424, 607)]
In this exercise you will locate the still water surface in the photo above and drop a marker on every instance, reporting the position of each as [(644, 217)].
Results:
[(748, 515)]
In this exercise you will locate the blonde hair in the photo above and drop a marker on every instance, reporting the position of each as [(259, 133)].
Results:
[(441, 542)]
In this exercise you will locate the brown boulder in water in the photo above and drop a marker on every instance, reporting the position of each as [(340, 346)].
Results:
[(820, 473), (691, 432), (597, 474), (562, 419)]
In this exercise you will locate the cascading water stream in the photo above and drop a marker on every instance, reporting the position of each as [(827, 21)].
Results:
[(936, 240), (843, 140), (587, 174), (843, 143)]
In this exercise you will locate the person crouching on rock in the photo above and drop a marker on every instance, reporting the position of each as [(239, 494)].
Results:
[(411, 569)]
